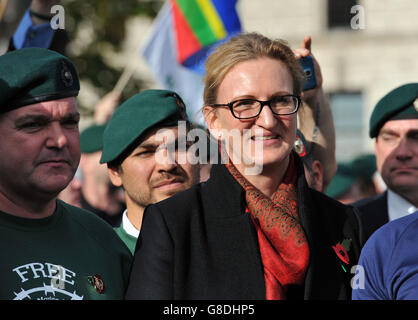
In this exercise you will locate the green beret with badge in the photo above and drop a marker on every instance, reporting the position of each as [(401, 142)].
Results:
[(91, 139), (33, 75), (138, 114), (400, 103)]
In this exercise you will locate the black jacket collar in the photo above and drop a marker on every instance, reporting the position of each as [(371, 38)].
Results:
[(225, 193)]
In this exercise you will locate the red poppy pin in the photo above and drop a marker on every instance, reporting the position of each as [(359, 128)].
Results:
[(341, 250), (97, 282)]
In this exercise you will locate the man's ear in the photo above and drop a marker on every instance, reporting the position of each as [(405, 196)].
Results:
[(115, 176), (211, 118), (318, 173)]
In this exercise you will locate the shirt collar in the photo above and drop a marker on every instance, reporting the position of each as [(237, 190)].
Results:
[(128, 226), (398, 207)]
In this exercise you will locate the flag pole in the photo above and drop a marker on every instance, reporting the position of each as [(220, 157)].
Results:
[(129, 69), (124, 78)]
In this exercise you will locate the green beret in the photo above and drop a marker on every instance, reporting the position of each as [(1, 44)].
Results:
[(400, 103), (342, 181), (34, 75), (138, 114), (365, 165), (91, 139)]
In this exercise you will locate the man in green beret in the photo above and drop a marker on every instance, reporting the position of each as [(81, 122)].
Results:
[(394, 125), (142, 146), (354, 180), (347, 184), (98, 194), (50, 250)]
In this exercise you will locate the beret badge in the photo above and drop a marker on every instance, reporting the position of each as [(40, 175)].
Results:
[(66, 75)]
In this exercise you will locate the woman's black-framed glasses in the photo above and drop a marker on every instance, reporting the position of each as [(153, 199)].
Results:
[(251, 108)]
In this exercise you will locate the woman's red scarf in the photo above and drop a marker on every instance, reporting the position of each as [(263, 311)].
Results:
[(282, 241)]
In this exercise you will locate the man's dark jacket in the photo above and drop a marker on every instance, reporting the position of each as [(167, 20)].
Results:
[(373, 213), (200, 244)]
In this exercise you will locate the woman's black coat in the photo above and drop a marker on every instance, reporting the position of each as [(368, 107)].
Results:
[(200, 244)]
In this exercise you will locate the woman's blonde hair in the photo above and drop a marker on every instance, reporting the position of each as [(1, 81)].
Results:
[(245, 47)]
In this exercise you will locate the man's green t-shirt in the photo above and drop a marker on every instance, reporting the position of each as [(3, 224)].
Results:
[(70, 255)]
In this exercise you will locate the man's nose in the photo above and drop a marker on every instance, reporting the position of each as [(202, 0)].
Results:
[(166, 160), (404, 150), (56, 136)]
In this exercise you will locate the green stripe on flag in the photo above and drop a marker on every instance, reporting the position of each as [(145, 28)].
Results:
[(212, 17), (197, 21)]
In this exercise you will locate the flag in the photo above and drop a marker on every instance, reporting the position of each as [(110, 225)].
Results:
[(182, 36), (201, 24)]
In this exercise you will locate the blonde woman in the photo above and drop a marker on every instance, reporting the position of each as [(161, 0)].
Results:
[(254, 230)]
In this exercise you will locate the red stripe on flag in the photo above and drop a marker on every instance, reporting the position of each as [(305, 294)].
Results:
[(186, 41)]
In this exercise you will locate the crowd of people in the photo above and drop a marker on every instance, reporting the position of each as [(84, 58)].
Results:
[(122, 210)]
